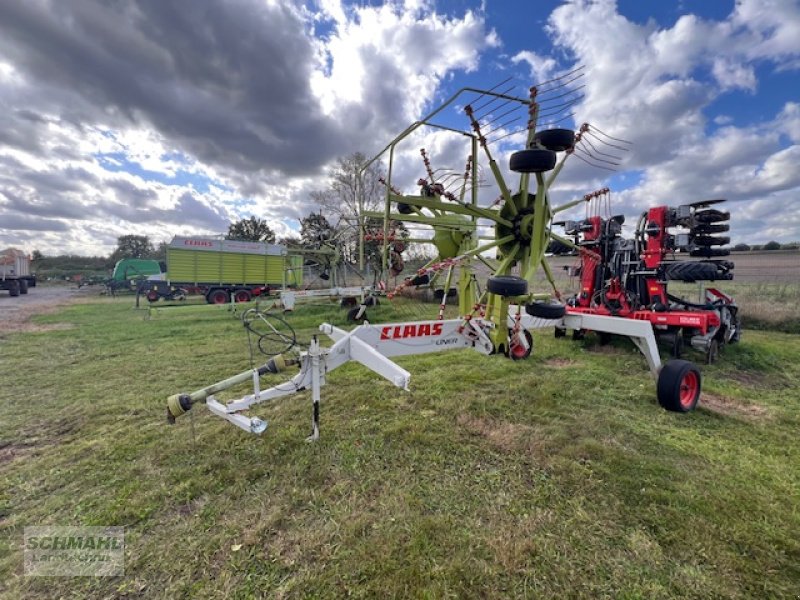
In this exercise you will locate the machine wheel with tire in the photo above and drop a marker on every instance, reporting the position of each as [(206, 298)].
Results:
[(507, 285), (679, 385), (532, 160), (23, 286), (556, 140), (545, 310), (516, 350), (218, 296)]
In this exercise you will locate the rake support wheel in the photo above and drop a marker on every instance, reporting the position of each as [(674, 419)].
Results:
[(507, 286), (679, 385), (532, 160)]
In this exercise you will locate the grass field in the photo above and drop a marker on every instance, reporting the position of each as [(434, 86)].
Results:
[(554, 477)]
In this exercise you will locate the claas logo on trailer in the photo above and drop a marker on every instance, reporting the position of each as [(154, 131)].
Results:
[(398, 332)]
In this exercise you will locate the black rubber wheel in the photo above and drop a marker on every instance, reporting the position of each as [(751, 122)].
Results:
[(604, 338), (371, 301), (578, 334), (545, 310), (556, 140), (23, 286), (404, 209), (507, 285), (420, 280), (711, 240), (352, 315), (152, 296), (694, 271), (711, 215), (560, 332), (707, 228), (218, 296), (710, 252), (712, 354), (679, 385), (532, 160), (348, 302), (13, 289), (517, 351)]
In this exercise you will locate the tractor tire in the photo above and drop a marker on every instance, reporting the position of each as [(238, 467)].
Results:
[(679, 385), (242, 296), (711, 240), (23, 286), (532, 160), (545, 310), (404, 209), (517, 351), (556, 140), (218, 296), (710, 252), (420, 280), (694, 271), (13, 289), (507, 285), (711, 215), (707, 228)]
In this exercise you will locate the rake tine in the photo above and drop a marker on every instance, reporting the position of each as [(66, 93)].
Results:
[(602, 141), (505, 81), (544, 101), (593, 157), (609, 136), (501, 126), (498, 117), (475, 109), (507, 135), (560, 77), (592, 164), (591, 145)]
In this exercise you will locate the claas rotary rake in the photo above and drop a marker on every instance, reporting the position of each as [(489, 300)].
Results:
[(497, 320)]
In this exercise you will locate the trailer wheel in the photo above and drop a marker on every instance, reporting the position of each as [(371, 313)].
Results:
[(13, 290), (545, 310), (23, 286), (516, 351), (218, 296), (152, 296), (507, 285), (679, 384), (556, 140), (532, 160), (242, 296)]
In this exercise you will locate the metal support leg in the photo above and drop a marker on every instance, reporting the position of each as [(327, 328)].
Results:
[(315, 396)]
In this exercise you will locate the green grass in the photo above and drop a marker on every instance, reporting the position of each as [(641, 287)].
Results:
[(554, 477)]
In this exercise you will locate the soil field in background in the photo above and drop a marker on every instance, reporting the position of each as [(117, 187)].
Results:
[(15, 313)]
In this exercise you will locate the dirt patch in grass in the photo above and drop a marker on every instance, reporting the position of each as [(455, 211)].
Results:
[(560, 363), (504, 435), (730, 407), (10, 451)]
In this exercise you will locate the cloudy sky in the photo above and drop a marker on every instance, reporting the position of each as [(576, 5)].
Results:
[(163, 118)]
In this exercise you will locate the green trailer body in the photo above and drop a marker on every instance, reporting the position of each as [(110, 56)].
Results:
[(202, 262)]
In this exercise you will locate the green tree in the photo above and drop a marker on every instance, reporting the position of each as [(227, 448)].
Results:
[(132, 246), (741, 248), (316, 231), (251, 230), (772, 245)]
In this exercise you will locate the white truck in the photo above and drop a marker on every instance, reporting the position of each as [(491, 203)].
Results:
[(15, 272)]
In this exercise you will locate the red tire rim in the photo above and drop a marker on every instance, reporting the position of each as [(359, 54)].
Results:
[(152, 296), (242, 296), (690, 384), (517, 350), (218, 298)]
